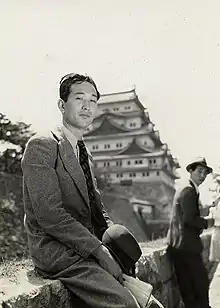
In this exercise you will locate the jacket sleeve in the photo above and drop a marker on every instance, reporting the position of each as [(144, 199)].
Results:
[(188, 202), (38, 167)]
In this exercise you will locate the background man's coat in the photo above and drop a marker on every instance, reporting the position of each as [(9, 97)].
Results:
[(186, 224)]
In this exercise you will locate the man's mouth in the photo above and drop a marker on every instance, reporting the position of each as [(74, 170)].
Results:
[(85, 115)]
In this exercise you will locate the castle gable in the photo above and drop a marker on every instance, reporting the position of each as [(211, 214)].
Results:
[(107, 128), (133, 148)]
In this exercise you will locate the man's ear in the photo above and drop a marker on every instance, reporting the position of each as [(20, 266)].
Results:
[(61, 105)]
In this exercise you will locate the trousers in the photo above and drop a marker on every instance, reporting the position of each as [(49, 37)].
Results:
[(93, 287), (192, 278)]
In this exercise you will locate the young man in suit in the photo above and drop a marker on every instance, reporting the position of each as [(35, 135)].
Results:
[(64, 215), (184, 243)]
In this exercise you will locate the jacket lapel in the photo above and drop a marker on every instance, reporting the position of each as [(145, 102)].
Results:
[(193, 186), (71, 164), (197, 193)]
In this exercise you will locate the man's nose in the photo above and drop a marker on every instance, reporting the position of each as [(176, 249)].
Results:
[(86, 104)]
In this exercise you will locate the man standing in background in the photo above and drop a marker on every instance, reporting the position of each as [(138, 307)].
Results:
[(184, 243), (64, 215)]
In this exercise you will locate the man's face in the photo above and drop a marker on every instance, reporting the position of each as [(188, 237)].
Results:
[(81, 106), (199, 174)]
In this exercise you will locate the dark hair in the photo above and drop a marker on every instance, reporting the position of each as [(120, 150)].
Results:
[(68, 80), (193, 166)]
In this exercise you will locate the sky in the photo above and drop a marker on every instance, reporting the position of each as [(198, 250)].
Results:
[(169, 50)]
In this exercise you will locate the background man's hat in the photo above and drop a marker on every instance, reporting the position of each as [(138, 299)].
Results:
[(201, 161), (123, 245)]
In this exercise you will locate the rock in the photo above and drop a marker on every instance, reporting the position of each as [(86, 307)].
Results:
[(22, 287), (27, 289)]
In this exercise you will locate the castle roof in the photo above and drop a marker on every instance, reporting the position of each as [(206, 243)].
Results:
[(120, 97), (133, 148), (106, 156), (107, 128)]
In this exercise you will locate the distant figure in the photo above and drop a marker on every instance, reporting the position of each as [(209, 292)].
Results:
[(64, 215), (184, 243)]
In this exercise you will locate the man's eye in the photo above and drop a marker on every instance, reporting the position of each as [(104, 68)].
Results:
[(93, 101), (79, 98)]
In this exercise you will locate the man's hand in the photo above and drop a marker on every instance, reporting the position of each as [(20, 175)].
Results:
[(107, 262)]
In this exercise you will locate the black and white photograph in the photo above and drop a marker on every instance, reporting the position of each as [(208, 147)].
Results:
[(109, 154)]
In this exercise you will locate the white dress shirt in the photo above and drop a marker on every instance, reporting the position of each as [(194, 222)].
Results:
[(72, 140)]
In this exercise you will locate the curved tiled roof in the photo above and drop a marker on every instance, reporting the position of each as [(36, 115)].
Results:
[(107, 128), (133, 148)]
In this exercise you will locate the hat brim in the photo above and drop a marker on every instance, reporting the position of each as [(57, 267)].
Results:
[(209, 169), (124, 269)]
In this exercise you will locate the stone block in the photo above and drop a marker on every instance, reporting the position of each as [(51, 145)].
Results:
[(26, 289), (22, 287)]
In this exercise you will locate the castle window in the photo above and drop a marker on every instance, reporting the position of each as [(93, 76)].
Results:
[(150, 161), (128, 162), (133, 124), (95, 165), (118, 145), (155, 161), (118, 163), (138, 162), (145, 142), (145, 174), (95, 147), (132, 174), (119, 175), (107, 146), (106, 164), (158, 173), (116, 109)]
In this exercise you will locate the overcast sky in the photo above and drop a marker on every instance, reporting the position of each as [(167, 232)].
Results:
[(169, 49)]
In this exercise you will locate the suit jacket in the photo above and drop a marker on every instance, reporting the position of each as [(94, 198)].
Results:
[(56, 203), (186, 224)]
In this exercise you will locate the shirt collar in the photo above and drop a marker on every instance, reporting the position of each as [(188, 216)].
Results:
[(70, 137), (195, 185)]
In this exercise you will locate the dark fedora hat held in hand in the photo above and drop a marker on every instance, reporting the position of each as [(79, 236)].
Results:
[(200, 161), (123, 246)]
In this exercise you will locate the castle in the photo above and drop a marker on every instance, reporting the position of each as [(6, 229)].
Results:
[(128, 151)]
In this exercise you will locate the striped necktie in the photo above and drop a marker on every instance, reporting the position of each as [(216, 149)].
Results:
[(84, 163), (98, 219)]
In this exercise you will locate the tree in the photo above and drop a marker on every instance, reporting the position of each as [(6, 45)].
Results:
[(14, 137)]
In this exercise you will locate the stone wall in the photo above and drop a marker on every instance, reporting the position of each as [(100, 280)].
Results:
[(20, 287)]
